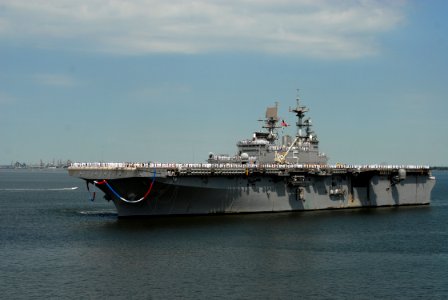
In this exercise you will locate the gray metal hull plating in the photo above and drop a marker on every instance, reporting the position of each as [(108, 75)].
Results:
[(239, 194)]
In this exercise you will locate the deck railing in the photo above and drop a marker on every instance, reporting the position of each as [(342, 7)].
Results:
[(181, 166)]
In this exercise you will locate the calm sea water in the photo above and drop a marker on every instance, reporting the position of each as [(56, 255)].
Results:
[(55, 243)]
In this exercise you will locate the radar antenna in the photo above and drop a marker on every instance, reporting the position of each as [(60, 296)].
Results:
[(270, 122)]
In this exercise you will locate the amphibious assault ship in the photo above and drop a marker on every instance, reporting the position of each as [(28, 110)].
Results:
[(265, 175)]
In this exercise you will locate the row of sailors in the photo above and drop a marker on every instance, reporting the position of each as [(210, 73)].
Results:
[(378, 167), (108, 165), (241, 166)]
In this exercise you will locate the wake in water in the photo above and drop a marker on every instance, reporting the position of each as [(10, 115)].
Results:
[(40, 190), (99, 213)]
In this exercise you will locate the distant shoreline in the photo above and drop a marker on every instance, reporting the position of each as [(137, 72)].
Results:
[(440, 168), (32, 168)]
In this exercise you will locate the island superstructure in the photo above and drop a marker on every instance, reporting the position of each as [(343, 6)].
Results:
[(263, 176)]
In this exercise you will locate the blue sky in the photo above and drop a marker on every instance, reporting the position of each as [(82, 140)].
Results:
[(147, 80)]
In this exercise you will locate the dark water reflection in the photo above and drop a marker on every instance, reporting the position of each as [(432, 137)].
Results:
[(58, 244)]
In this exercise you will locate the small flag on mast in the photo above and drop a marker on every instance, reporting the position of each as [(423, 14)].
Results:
[(284, 124)]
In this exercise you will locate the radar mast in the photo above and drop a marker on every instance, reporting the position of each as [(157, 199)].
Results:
[(304, 132), (270, 122)]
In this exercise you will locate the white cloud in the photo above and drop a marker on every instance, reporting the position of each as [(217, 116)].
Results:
[(322, 28)]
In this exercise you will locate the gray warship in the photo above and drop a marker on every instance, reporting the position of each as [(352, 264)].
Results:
[(267, 174)]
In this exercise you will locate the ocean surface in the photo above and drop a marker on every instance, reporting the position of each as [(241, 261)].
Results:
[(56, 243)]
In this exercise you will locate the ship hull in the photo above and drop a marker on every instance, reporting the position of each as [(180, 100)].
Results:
[(263, 177), (201, 195)]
